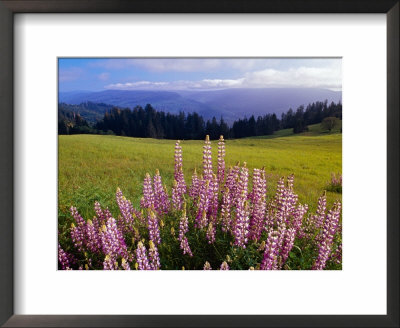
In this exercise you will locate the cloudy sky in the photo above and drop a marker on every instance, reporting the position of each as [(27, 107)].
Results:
[(197, 74)]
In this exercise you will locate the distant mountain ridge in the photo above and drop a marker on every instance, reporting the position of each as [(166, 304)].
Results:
[(232, 104)]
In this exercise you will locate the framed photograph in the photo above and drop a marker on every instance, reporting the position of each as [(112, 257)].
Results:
[(144, 144)]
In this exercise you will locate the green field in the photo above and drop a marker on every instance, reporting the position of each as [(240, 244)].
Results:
[(91, 167)]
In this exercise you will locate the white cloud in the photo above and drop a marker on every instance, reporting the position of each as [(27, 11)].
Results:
[(311, 77)]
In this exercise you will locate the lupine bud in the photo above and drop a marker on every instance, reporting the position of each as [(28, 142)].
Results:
[(221, 160), (207, 266), (224, 266)]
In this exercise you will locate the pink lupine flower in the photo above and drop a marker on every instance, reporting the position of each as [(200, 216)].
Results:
[(141, 257), (210, 235), (213, 199), (177, 198), (93, 240), (270, 259), (99, 214), (241, 223), (232, 180), (298, 216), (110, 263), (258, 209), (161, 204), (113, 243), (288, 242), (226, 219), (207, 159), (224, 266), (126, 209), (148, 193), (125, 264), (318, 218), (63, 259), (154, 257), (201, 218), (330, 227), (194, 188), (336, 255), (154, 229), (78, 237), (221, 160), (207, 266), (185, 247), (178, 171)]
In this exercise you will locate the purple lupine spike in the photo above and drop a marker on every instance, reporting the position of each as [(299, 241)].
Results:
[(213, 199), (221, 160), (154, 229), (178, 172), (141, 257), (78, 218), (183, 224), (329, 229), (126, 209), (78, 237), (112, 240), (99, 214), (207, 266), (177, 199), (224, 266), (125, 264), (232, 179), (185, 246), (226, 219), (194, 188), (201, 217), (336, 255), (211, 231), (298, 217), (207, 159), (162, 204), (270, 259), (242, 187), (148, 193), (93, 240), (63, 259), (110, 263), (258, 196), (154, 257), (318, 218), (288, 242), (241, 223)]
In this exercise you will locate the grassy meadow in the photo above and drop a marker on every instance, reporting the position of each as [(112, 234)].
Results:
[(91, 167)]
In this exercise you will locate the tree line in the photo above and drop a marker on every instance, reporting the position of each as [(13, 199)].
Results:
[(149, 123)]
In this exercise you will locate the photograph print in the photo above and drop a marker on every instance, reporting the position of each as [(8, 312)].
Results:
[(200, 164)]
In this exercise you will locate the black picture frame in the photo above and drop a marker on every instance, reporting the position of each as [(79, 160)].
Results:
[(10, 7)]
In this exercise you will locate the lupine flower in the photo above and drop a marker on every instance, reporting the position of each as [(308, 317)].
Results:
[(201, 218), (210, 235), (241, 224), (185, 246), (93, 239), (77, 236), (154, 229), (226, 218), (125, 264), (224, 266), (298, 216), (183, 224), (270, 259), (318, 218), (232, 180), (113, 243), (177, 199), (207, 159), (148, 193), (99, 213), (110, 263), (336, 255), (221, 160), (126, 209), (178, 172), (154, 256), (161, 203), (207, 266), (258, 209), (194, 188), (63, 259), (213, 199), (328, 233), (141, 257), (288, 242)]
